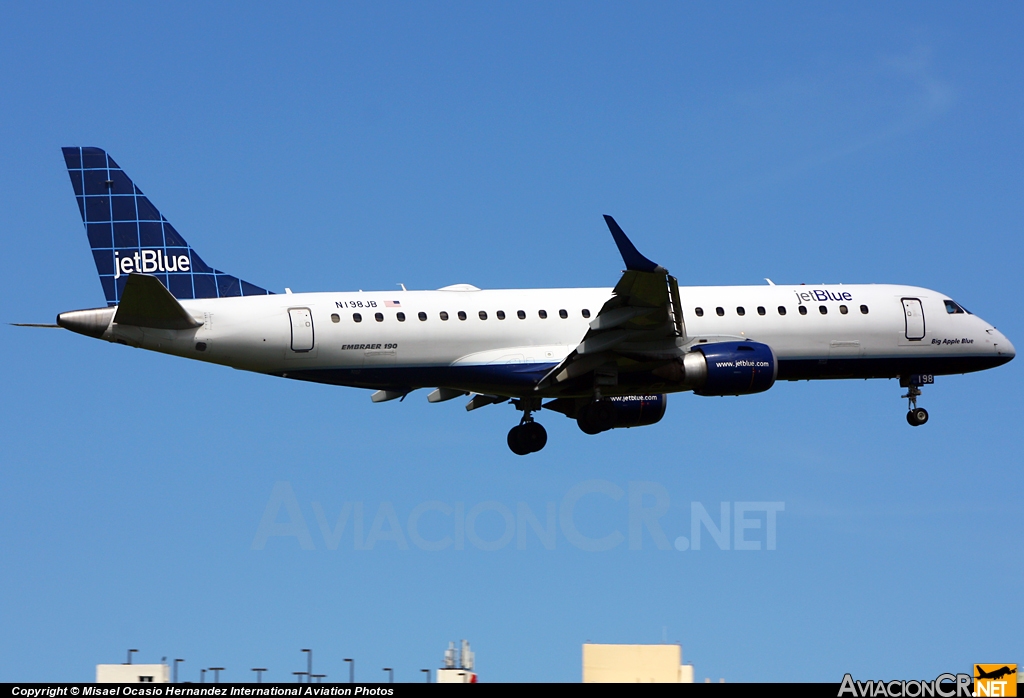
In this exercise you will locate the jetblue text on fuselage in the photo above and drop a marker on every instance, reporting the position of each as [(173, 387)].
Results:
[(820, 295), (149, 261)]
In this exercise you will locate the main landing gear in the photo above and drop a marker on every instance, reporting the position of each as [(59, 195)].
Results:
[(916, 416), (529, 436)]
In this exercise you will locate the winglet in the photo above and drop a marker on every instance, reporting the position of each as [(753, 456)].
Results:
[(630, 255)]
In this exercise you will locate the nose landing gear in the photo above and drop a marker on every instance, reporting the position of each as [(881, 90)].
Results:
[(528, 436), (916, 416)]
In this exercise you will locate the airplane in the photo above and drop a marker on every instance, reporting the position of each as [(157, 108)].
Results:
[(995, 673), (606, 357)]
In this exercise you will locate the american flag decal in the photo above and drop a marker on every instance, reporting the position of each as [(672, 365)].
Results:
[(392, 304)]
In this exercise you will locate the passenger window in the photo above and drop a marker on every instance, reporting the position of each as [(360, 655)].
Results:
[(462, 315), (357, 317), (444, 315), (823, 310), (422, 317), (864, 310), (802, 309), (699, 312), (335, 317), (761, 310), (782, 310), (400, 317), (500, 314), (563, 314), (543, 314), (843, 309), (483, 315), (720, 310), (586, 313), (521, 314), (379, 317), (740, 311)]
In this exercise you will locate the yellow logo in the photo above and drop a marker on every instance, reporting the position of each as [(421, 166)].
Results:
[(995, 680)]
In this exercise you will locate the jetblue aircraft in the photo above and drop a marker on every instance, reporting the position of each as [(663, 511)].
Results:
[(606, 357)]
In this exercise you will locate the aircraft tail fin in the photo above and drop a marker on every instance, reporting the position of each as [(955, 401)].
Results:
[(128, 235)]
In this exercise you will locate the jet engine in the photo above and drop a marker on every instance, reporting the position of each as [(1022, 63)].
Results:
[(617, 412), (724, 368)]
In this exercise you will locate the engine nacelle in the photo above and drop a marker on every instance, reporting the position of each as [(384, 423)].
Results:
[(730, 368), (618, 412), (637, 410)]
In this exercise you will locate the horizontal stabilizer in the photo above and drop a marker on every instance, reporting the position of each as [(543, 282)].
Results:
[(146, 303)]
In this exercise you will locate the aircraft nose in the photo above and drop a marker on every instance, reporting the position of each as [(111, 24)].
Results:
[(1003, 345)]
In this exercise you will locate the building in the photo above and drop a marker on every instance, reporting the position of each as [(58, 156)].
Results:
[(458, 664), (635, 664), (133, 673)]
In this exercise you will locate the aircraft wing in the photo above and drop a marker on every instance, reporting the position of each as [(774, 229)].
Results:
[(639, 328)]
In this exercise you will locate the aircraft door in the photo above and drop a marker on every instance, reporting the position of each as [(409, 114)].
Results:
[(302, 329), (914, 314)]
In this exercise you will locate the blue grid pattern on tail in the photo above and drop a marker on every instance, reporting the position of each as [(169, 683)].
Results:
[(127, 234)]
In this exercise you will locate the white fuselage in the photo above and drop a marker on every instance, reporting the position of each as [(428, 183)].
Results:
[(360, 338)]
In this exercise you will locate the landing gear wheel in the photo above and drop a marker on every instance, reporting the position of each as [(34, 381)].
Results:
[(528, 437), (533, 435), (917, 416), (515, 441)]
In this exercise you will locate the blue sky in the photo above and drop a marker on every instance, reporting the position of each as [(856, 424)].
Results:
[(339, 147)]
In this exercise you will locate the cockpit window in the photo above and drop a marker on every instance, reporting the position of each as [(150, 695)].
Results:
[(953, 308)]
